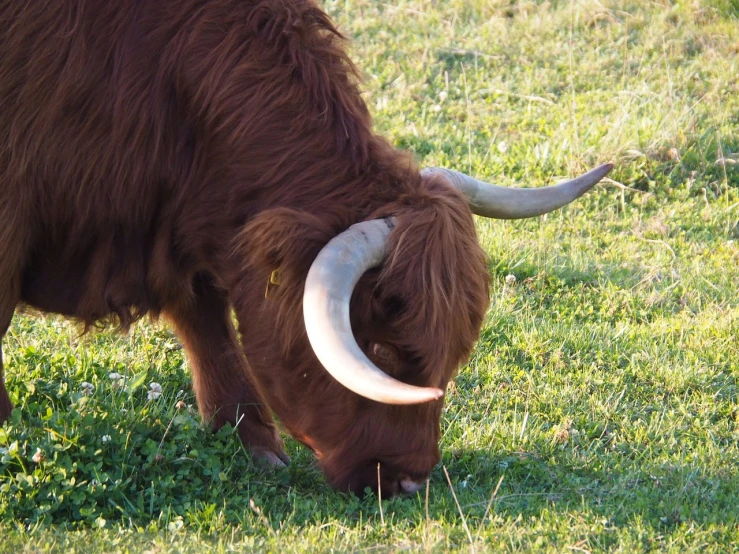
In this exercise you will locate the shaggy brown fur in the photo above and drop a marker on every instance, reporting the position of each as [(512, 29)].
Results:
[(166, 157)]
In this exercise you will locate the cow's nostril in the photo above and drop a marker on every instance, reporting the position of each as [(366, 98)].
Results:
[(409, 486)]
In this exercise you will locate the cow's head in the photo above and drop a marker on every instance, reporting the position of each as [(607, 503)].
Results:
[(391, 307)]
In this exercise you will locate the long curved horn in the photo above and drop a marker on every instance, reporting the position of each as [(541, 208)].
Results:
[(498, 202), (328, 290)]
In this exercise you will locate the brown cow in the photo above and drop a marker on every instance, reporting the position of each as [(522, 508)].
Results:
[(176, 157)]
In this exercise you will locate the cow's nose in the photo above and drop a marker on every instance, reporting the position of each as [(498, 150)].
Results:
[(409, 486)]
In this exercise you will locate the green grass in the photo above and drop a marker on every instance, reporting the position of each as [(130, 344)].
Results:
[(601, 400)]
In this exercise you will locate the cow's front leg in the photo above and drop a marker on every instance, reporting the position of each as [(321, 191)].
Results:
[(5, 405), (223, 388), (8, 298)]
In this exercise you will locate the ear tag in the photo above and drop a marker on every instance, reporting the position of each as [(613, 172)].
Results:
[(274, 280)]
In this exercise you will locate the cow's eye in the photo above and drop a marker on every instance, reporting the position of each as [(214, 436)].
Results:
[(383, 353)]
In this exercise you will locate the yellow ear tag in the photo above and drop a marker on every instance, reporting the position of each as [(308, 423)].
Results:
[(274, 280)]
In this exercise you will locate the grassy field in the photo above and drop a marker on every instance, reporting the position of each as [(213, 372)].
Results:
[(600, 409)]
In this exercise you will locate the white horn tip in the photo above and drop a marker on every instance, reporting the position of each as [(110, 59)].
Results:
[(411, 395), (437, 393)]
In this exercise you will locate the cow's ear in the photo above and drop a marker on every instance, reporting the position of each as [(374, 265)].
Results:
[(285, 240), (277, 248)]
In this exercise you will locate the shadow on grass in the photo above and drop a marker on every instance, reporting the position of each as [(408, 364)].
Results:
[(613, 488)]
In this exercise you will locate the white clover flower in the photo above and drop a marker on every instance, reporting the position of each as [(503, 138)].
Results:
[(155, 391), (443, 95), (105, 438), (502, 147), (118, 380), (87, 388), (39, 456), (510, 279)]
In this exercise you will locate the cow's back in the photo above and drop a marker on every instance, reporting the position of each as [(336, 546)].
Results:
[(142, 134), (87, 110)]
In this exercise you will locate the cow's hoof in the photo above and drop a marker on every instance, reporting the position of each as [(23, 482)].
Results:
[(268, 457)]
